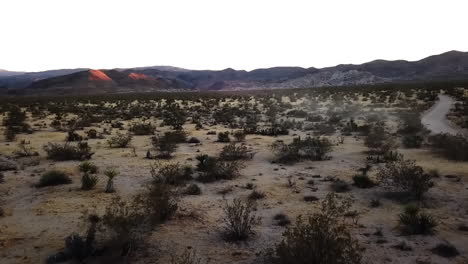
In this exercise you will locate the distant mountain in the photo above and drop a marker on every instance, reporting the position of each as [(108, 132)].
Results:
[(5, 73), (451, 65), (97, 81)]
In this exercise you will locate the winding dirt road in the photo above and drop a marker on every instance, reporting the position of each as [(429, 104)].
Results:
[(435, 118)]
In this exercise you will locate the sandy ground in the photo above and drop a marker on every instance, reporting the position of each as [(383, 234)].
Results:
[(38, 220)]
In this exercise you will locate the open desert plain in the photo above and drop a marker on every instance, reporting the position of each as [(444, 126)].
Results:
[(370, 174)]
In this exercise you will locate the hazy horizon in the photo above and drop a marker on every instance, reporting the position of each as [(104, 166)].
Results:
[(215, 35)]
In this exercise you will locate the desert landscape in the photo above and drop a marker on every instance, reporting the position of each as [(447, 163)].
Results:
[(237, 177)]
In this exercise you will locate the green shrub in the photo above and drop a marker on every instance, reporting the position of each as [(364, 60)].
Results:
[(213, 169), (111, 174), (59, 152), (323, 237), (415, 222), (52, 178)]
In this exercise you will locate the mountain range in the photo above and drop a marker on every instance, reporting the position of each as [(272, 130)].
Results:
[(452, 65)]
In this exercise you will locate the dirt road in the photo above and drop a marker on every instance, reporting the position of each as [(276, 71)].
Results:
[(435, 118)]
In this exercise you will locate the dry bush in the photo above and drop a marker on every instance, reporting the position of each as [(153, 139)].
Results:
[(406, 175), (451, 147), (302, 149), (323, 237), (59, 152), (189, 256), (239, 219), (119, 140), (170, 173), (233, 151), (142, 129)]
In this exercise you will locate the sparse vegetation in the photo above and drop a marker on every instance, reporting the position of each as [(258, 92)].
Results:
[(413, 221), (53, 178), (302, 149), (239, 219), (320, 238), (67, 151)]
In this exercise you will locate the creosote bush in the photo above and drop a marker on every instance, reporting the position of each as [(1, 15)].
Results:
[(451, 147), (213, 169), (170, 173), (223, 137), (323, 237), (67, 151), (239, 219), (302, 149), (142, 129), (119, 140), (52, 178), (233, 151), (406, 175)]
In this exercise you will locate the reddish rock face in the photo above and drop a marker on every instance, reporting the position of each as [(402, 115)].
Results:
[(138, 76), (96, 75)]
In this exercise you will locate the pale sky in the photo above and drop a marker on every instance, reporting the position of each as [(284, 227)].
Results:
[(216, 34)]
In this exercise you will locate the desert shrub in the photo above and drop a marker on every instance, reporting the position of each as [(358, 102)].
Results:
[(256, 195), (187, 257), (160, 202), (192, 189), (111, 174), (413, 221), (340, 186), (378, 139), (302, 149), (445, 250), (92, 133), (193, 140), (79, 247), (73, 136), (88, 180), (142, 129), (223, 137), (174, 116), (25, 150), (119, 140), (205, 162), (177, 136), (167, 144), (124, 221), (239, 219), (323, 237), (412, 141), (15, 123), (362, 181), (213, 169), (239, 135), (451, 147), (52, 178), (59, 152), (406, 175), (282, 219), (170, 173), (233, 151)]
